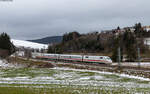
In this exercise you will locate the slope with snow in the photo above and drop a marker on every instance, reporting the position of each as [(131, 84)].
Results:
[(27, 44)]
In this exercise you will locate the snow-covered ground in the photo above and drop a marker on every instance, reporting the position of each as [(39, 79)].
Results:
[(68, 76), (46, 77), (4, 64), (108, 73), (134, 64), (22, 43)]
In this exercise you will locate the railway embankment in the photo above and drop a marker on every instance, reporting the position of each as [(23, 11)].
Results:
[(130, 68), (126, 68), (28, 63)]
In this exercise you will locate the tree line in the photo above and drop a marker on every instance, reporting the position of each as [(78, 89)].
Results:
[(106, 43)]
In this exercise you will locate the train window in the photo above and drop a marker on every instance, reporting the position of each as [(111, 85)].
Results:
[(86, 57), (101, 57), (76, 57), (66, 57)]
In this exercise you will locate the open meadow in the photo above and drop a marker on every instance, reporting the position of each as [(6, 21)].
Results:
[(69, 81)]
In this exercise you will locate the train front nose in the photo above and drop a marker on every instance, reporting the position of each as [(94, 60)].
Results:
[(110, 61)]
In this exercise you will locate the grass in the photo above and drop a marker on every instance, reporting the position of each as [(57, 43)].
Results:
[(87, 73), (58, 89), (112, 76), (61, 89), (15, 90), (30, 72), (127, 80)]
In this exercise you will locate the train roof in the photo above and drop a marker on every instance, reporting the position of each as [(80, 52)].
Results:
[(96, 56), (69, 55)]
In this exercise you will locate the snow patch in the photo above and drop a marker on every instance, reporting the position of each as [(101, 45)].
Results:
[(27, 44), (4, 63), (75, 78), (44, 78), (84, 78), (66, 75), (121, 75), (134, 77), (92, 77)]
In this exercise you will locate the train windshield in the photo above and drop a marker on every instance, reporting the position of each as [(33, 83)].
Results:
[(108, 58)]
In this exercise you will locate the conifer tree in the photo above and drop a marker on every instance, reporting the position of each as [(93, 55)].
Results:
[(130, 45), (6, 44)]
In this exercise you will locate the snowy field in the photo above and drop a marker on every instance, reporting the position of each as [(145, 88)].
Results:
[(65, 76), (70, 79)]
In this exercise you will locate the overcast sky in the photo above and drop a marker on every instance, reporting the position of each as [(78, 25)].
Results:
[(32, 19)]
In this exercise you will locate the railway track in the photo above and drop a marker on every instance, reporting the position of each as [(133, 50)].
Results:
[(124, 66)]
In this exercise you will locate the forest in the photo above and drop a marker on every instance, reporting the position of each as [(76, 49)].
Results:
[(105, 43)]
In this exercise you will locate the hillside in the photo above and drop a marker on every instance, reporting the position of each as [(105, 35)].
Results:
[(75, 42), (48, 40), (105, 43), (28, 44)]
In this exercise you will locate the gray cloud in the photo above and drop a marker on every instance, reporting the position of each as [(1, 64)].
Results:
[(31, 19)]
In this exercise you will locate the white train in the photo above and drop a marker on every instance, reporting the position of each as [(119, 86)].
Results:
[(78, 58)]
